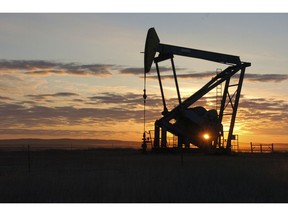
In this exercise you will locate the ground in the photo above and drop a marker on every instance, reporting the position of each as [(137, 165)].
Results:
[(128, 176)]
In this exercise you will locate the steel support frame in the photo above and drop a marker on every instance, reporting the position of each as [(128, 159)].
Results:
[(225, 75), (234, 105), (159, 127), (165, 110), (176, 81), (156, 135), (235, 108), (215, 81)]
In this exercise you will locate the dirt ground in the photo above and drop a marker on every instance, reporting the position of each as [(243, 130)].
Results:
[(128, 176)]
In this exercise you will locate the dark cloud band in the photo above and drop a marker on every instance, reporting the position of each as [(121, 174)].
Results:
[(252, 77), (248, 76), (44, 68), (45, 96)]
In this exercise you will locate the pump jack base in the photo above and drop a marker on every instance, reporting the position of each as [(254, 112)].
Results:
[(216, 151)]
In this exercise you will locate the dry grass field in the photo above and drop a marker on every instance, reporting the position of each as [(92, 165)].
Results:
[(128, 176)]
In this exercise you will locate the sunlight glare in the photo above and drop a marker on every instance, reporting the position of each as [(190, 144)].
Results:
[(206, 136)]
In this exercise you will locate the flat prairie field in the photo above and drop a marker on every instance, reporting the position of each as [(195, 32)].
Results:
[(128, 176)]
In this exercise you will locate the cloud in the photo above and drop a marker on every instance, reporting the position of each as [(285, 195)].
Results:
[(114, 98), (256, 113), (20, 116), (264, 105), (5, 98), (25, 64), (44, 68), (184, 76), (140, 71), (10, 82), (252, 77), (10, 78), (263, 114), (248, 76), (110, 108), (118, 108), (266, 77), (131, 100), (46, 96), (64, 94)]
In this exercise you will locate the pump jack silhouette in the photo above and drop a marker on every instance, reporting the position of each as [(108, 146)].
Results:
[(194, 125)]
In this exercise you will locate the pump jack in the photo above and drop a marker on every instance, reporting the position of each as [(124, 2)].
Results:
[(195, 125)]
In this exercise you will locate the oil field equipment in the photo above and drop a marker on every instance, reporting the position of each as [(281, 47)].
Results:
[(194, 124)]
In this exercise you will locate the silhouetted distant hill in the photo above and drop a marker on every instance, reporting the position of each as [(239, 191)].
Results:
[(38, 144), (73, 144)]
